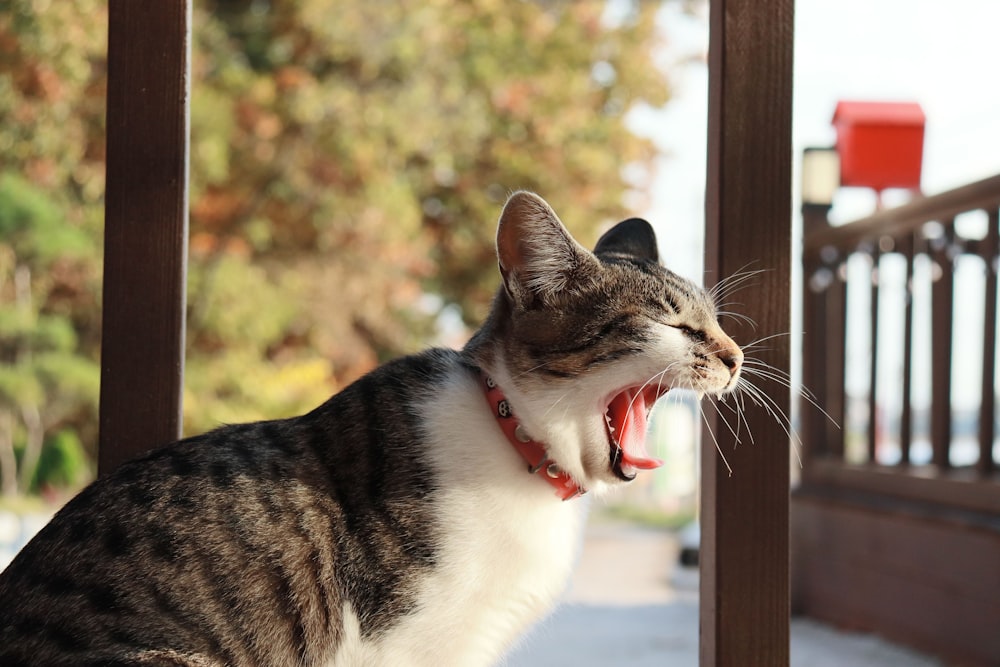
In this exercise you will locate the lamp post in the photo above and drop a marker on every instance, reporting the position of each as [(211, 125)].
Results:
[(820, 180)]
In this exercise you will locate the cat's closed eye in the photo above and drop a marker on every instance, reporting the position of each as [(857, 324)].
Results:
[(696, 335)]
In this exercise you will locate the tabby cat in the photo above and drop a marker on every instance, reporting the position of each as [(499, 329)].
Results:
[(425, 515)]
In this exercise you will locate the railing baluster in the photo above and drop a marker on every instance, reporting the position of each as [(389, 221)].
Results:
[(942, 296), (873, 372), (987, 406), (815, 342), (836, 321), (906, 246)]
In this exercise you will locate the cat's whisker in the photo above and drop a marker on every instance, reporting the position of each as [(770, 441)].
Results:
[(739, 409), (657, 376), (777, 413), (531, 370), (554, 404), (742, 412), (716, 406), (755, 345), (755, 367), (742, 396), (758, 368), (734, 282), (719, 307), (749, 321), (718, 448)]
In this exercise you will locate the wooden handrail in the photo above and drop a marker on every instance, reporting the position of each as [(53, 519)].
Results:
[(905, 219), (825, 303)]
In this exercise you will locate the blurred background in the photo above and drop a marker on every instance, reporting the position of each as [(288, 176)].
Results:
[(348, 162)]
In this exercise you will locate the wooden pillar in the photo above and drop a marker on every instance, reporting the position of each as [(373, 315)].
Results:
[(145, 245), (745, 542)]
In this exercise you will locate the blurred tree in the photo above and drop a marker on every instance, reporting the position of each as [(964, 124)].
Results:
[(366, 147), (348, 162), (51, 185), (43, 378)]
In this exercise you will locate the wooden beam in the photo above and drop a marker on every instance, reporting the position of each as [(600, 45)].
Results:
[(145, 245), (745, 547)]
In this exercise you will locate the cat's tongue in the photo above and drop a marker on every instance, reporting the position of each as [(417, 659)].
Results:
[(627, 416)]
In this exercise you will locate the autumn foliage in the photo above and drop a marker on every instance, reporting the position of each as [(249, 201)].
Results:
[(348, 161)]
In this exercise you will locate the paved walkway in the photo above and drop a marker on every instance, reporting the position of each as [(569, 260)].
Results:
[(630, 605)]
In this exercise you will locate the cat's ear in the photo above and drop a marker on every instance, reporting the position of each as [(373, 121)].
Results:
[(537, 255), (633, 238)]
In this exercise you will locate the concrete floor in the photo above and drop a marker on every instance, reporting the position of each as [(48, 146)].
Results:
[(629, 604)]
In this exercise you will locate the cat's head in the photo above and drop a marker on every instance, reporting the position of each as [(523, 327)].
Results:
[(583, 343)]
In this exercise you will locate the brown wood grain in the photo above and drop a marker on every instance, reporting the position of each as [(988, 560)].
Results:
[(145, 246), (744, 556)]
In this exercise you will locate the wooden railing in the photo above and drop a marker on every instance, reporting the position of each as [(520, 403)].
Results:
[(896, 521), (895, 436)]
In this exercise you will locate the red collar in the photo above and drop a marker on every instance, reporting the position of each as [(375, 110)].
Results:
[(531, 451)]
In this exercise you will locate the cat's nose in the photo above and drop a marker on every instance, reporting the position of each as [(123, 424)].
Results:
[(732, 359)]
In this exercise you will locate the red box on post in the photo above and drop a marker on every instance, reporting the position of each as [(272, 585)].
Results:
[(881, 144)]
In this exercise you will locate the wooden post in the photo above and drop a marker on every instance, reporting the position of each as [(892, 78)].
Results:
[(145, 244), (745, 542)]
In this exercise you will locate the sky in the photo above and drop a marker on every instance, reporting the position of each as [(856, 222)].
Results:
[(940, 54)]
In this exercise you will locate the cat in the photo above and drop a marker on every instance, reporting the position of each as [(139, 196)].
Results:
[(427, 514)]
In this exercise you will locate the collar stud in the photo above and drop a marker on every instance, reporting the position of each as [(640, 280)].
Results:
[(531, 451)]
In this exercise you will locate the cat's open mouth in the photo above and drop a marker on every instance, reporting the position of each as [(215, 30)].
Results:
[(626, 418)]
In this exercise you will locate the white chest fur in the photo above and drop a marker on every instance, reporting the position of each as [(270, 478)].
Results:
[(508, 546)]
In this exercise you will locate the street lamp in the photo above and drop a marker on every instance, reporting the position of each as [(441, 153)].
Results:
[(820, 180)]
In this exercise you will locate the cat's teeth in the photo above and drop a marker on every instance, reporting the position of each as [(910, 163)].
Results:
[(607, 420)]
